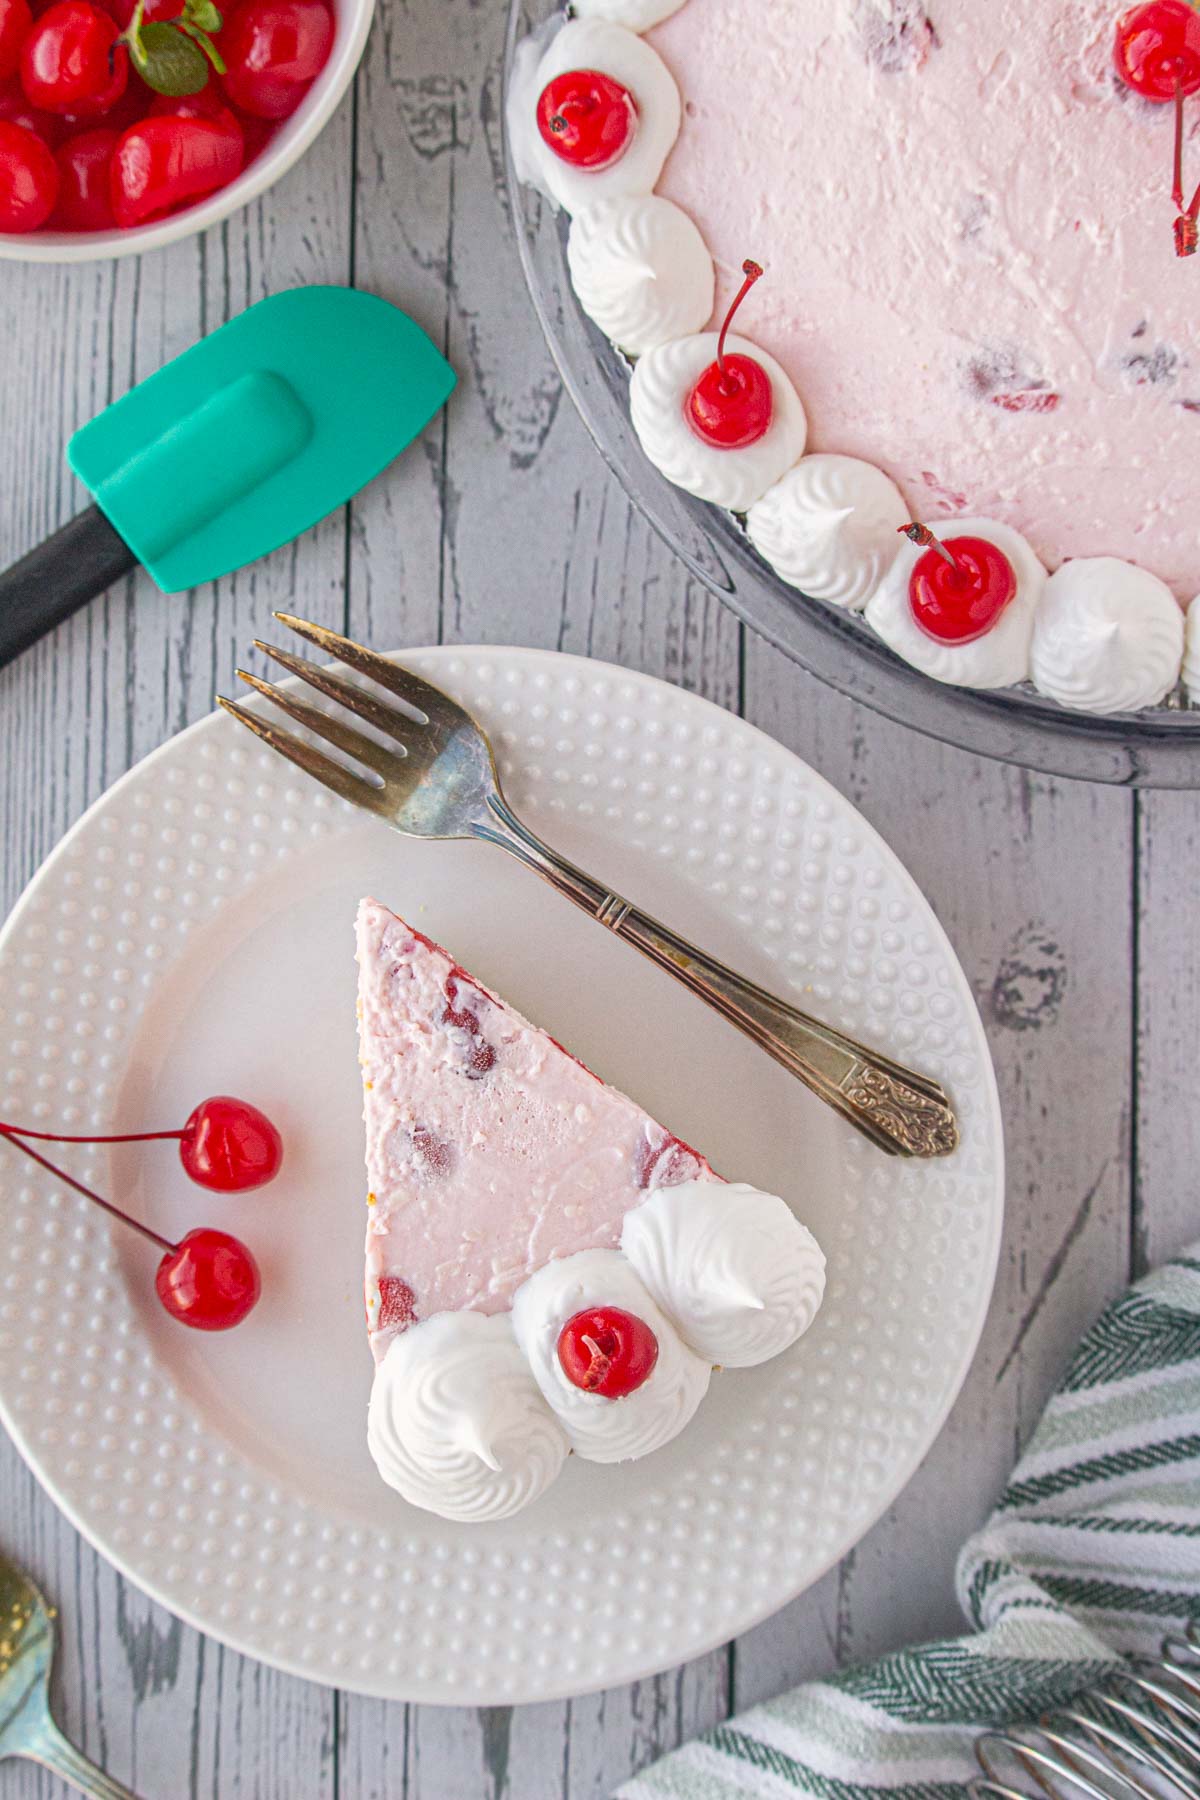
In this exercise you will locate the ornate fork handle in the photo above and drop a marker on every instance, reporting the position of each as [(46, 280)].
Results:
[(902, 1113), (49, 1747)]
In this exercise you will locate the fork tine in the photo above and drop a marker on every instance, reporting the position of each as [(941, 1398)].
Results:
[(340, 781), (386, 764), (422, 696), (347, 693)]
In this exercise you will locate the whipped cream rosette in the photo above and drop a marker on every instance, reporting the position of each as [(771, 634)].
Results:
[(456, 1422), (732, 1267), (641, 271), (829, 528), (1108, 637)]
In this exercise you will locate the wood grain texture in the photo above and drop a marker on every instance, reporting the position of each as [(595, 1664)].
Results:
[(1069, 906)]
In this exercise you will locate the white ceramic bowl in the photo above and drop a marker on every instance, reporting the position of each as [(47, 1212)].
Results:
[(352, 21)]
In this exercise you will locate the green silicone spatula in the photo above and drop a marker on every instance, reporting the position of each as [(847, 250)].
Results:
[(236, 447)]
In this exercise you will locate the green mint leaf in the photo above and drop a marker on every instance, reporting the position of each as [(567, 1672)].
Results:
[(172, 63)]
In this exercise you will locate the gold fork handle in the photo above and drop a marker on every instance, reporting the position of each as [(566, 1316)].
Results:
[(901, 1112)]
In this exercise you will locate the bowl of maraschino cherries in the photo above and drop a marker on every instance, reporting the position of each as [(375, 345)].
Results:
[(125, 124), (208, 1279)]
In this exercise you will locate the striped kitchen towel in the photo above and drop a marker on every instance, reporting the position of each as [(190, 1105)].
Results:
[(1094, 1549)]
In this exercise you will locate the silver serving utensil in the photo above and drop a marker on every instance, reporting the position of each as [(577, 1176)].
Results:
[(26, 1728), (1134, 1736), (437, 779)]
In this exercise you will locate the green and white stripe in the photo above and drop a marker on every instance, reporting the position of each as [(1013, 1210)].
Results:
[(1092, 1551)]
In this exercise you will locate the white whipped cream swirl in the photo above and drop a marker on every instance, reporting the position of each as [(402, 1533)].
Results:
[(735, 479), (601, 1429), (734, 1268), (612, 50), (1191, 652), (1001, 656), (638, 15), (641, 270), (456, 1423), (830, 527), (1108, 637)]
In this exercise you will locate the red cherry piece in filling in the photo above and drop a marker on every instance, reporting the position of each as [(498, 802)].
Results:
[(480, 1056), (664, 1162), (1157, 49), (731, 404), (606, 1350), (209, 1280), (273, 50), (160, 164), (230, 1146), (397, 1308), (28, 179), (16, 21), (71, 61), (434, 1154), (83, 196), (586, 118), (956, 601)]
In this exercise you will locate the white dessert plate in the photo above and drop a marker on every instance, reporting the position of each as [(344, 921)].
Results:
[(193, 935)]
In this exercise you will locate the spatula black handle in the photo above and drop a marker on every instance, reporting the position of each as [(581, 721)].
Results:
[(49, 584)]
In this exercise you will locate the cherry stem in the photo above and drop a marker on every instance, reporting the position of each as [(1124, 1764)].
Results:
[(59, 1137), (1187, 236), (6, 1131), (1177, 189), (752, 271), (599, 1365), (921, 534)]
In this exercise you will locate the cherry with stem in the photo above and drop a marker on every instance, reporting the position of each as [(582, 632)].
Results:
[(208, 1280), (1156, 53), (225, 1144), (753, 272), (731, 404), (920, 534), (607, 1351), (587, 119), (957, 589)]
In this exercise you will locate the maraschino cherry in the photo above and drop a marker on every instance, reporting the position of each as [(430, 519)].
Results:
[(608, 1351), (1157, 53), (226, 1144), (208, 1280), (731, 404), (586, 118), (959, 588)]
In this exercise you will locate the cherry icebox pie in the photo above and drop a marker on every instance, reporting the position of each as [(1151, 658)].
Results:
[(548, 1270), (968, 401)]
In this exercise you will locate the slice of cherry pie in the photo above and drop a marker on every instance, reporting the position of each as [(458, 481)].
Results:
[(549, 1270)]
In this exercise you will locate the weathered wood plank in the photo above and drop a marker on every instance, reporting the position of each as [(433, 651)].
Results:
[(1166, 1117)]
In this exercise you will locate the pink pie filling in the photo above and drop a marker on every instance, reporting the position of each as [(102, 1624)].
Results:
[(490, 1149), (966, 225)]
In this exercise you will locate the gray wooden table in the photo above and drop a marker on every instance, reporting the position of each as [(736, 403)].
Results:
[(1070, 906)]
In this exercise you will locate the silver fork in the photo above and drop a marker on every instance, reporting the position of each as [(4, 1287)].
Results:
[(438, 780)]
